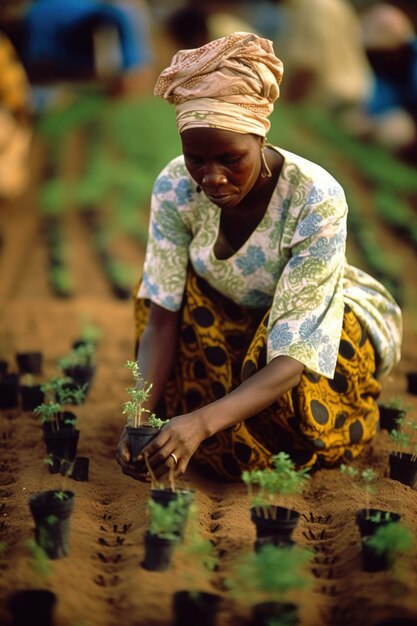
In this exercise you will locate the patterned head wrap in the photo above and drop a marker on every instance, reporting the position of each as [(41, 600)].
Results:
[(230, 83)]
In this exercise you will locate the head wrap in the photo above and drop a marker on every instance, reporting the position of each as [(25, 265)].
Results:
[(385, 26), (230, 83)]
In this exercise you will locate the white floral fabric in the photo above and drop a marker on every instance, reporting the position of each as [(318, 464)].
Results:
[(294, 262)]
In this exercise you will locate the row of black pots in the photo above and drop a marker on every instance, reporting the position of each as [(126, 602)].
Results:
[(27, 363), (36, 607)]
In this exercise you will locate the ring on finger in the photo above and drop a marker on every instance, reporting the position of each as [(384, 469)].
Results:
[(175, 458)]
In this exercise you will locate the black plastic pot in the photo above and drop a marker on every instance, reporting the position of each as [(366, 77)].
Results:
[(368, 522), (167, 495), (139, 438), (412, 382), (29, 362), (403, 468), (31, 396), (61, 446), (372, 561), (80, 469), (388, 417), (195, 608), (9, 391), (52, 521), (264, 612), (158, 552), (274, 521), (32, 606)]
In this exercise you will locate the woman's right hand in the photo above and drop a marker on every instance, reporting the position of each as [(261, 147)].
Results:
[(124, 458)]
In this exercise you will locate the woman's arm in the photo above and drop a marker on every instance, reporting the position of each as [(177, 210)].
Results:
[(184, 433), (157, 349)]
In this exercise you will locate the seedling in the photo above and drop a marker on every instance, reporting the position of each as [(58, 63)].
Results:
[(82, 356), (200, 555), (39, 562), (165, 521), (391, 540), (56, 396), (397, 403), (279, 480), (271, 574), (136, 413), (90, 333), (405, 438), (364, 480)]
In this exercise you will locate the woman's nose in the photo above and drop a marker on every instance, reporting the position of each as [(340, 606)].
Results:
[(213, 179)]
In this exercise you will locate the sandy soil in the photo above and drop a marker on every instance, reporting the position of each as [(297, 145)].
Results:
[(101, 581)]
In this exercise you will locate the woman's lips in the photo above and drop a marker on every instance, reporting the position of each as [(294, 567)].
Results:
[(219, 199)]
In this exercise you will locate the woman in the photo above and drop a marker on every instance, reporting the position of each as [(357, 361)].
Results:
[(255, 332)]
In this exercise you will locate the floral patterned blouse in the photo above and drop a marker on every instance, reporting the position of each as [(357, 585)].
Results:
[(293, 262)]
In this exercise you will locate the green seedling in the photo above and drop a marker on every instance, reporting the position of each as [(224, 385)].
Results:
[(271, 574), (199, 553), (39, 561), (364, 480), (82, 356), (391, 540), (137, 415), (56, 396), (405, 438), (165, 521), (281, 479)]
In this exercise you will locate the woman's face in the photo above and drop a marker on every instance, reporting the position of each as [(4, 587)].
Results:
[(225, 164)]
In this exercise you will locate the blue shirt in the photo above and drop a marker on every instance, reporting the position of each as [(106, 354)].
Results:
[(393, 94), (57, 32)]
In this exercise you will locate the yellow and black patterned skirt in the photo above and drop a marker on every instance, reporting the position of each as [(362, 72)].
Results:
[(319, 423)]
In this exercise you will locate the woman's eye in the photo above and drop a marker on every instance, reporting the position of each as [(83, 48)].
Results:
[(192, 159), (231, 160)]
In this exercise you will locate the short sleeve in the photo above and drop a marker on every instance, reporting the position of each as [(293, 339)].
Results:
[(307, 311), (169, 236)]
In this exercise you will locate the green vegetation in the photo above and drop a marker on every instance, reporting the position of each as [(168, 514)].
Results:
[(364, 479), (270, 574), (167, 521), (281, 479), (134, 410)]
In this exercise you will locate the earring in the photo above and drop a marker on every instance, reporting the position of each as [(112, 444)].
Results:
[(198, 189), (265, 170)]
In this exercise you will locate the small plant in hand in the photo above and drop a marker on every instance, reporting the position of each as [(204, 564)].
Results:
[(137, 415), (281, 479)]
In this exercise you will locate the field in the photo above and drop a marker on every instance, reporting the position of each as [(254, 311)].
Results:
[(71, 250)]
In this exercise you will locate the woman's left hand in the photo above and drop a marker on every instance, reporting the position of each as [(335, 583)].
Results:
[(175, 444)]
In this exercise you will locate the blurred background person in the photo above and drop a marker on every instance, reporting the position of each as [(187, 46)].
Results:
[(391, 44), (195, 24), (325, 62), (15, 126), (106, 44)]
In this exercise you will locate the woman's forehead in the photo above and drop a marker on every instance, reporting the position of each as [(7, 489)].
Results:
[(202, 137)]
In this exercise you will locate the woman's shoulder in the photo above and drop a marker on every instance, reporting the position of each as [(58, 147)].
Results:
[(301, 171)]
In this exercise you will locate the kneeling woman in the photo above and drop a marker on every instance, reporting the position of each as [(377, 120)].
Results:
[(256, 333)]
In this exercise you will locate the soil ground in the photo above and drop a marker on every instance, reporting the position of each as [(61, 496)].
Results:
[(101, 581)]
